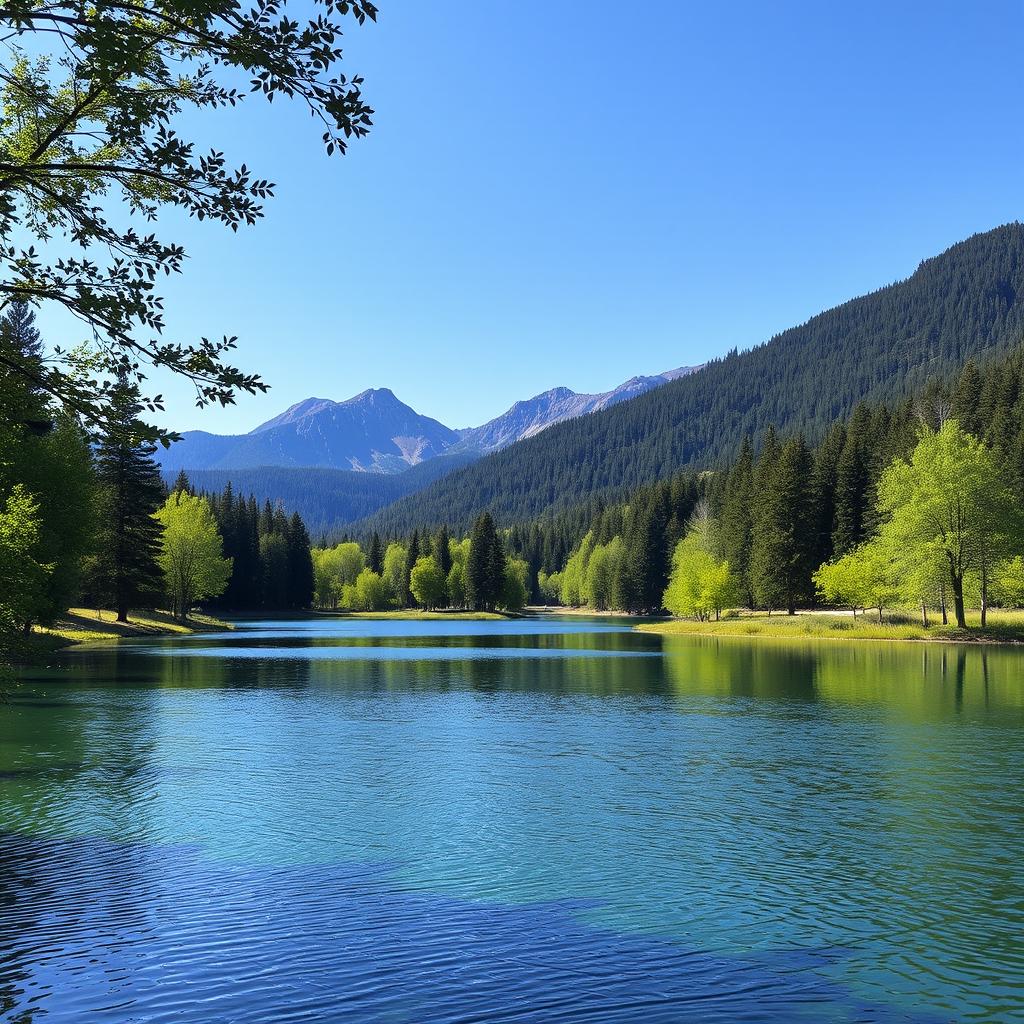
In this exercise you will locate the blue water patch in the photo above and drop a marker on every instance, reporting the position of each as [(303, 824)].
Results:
[(132, 932), (339, 652)]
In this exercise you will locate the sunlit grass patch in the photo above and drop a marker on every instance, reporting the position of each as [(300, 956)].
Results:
[(1002, 627)]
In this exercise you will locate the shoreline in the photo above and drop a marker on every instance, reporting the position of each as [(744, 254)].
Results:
[(85, 626), (793, 629)]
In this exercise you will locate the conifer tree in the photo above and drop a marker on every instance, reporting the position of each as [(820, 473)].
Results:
[(129, 542), (485, 567), (300, 564), (738, 518), (852, 500), (782, 548), (375, 561)]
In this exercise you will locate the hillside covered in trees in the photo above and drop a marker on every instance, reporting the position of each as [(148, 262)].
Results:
[(917, 503), (966, 303), (327, 499)]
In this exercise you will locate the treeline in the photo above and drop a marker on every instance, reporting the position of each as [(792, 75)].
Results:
[(270, 552), (428, 571), (85, 518), (966, 303), (846, 521)]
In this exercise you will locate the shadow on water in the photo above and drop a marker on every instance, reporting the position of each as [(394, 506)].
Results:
[(342, 942)]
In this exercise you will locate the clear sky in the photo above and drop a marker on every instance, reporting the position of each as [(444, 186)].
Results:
[(576, 192)]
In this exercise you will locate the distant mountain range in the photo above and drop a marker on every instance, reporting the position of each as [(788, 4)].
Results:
[(375, 432)]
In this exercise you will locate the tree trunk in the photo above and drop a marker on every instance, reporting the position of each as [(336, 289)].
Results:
[(984, 596), (122, 613), (924, 614), (958, 601)]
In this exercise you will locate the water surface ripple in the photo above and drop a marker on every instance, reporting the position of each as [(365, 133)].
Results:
[(552, 820)]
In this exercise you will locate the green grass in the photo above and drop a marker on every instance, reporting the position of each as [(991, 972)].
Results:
[(81, 625), (1003, 627), (84, 625)]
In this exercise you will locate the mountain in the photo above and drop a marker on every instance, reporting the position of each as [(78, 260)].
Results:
[(375, 432), (372, 432), (967, 303), (535, 414)]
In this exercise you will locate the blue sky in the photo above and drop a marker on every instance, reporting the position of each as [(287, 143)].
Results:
[(576, 192)]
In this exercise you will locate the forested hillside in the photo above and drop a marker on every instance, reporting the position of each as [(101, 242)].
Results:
[(966, 303), (776, 518), (328, 500)]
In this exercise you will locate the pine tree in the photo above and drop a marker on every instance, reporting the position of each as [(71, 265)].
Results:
[(300, 564), (966, 405), (783, 540), (130, 538), (181, 483), (645, 562), (485, 567), (852, 502), (375, 562), (738, 518)]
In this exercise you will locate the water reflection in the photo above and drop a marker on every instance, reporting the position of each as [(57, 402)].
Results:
[(835, 827)]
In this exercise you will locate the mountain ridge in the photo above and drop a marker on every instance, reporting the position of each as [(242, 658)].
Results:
[(374, 431), (967, 302)]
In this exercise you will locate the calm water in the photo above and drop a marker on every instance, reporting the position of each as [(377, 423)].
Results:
[(531, 821)]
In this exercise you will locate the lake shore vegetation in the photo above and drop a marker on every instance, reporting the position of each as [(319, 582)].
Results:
[(912, 510)]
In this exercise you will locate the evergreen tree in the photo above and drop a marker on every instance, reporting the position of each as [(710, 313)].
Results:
[(375, 562), (852, 499), (300, 564), (783, 540), (181, 483), (131, 491), (485, 567), (737, 519), (645, 561)]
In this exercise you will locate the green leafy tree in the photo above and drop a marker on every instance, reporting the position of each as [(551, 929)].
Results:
[(866, 577), (701, 582), (24, 575), (456, 585), (427, 583), (371, 592), (90, 94), (191, 552), (395, 574), (950, 497), (514, 587), (412, 556)]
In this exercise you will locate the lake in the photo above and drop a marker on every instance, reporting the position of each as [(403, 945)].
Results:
[(534, 820)]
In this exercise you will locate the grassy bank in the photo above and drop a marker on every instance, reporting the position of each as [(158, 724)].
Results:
[(82, 625), (1003, 627)]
